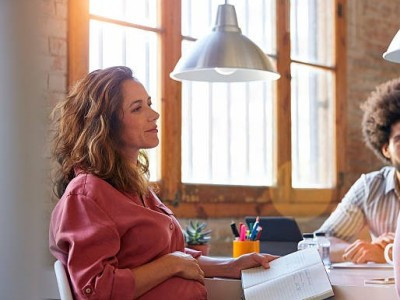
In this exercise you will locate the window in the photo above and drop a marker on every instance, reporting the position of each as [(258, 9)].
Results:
[(227, 129), (126, 33), (312, 93), (231, 149)]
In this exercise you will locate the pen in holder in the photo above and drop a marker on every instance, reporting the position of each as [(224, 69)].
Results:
[(243, 247)]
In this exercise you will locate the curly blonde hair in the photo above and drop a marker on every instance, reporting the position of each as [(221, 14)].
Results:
[(87, 130)]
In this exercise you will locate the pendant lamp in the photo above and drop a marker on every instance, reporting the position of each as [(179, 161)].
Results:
[(225, 55), (393, 52)]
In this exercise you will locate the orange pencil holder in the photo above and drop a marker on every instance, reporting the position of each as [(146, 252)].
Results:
[(243, 247)]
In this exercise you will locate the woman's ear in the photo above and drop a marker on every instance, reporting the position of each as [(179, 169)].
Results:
[(385, 151)]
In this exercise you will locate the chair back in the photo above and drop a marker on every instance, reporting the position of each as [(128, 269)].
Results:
[(280, 235), (62, 281)]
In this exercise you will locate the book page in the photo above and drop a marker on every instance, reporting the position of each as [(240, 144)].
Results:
[(309, 283), (281, 267)]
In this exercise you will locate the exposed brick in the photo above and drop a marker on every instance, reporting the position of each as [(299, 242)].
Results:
[(371, 26), (54, 64), (61, 10), (53, 74), (58, 64), (57, 82), (53, 27), (58, 46), (47, 8), (54, 97)]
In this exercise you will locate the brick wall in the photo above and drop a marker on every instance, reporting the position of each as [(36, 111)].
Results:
[(370, 27), (54, 48), (53, 31)]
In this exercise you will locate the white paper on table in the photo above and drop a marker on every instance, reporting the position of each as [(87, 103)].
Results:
[(370, 265)]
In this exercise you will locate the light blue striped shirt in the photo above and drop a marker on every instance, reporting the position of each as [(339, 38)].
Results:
[(372, 201)]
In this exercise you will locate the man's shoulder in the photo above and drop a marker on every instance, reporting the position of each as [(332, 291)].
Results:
[(377, 181), (380, 175)]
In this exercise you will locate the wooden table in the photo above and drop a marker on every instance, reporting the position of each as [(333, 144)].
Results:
[(348, 284)]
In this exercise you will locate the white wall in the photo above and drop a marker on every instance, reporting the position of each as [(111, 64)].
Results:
[(22, 163)]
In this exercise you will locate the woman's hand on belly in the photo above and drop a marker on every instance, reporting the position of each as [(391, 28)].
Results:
[(185, 266), (176, 265)]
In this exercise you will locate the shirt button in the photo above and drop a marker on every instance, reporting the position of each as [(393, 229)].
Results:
[(88, 290), (171, 226)]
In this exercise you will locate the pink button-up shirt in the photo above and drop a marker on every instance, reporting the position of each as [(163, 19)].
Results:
[(99, 234)]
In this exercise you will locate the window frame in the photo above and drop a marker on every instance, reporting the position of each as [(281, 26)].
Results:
[(205, 200)]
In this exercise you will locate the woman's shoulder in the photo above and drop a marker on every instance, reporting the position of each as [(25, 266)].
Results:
[(88, 184), (89, 190)]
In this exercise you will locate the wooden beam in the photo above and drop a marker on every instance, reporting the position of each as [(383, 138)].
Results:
[(207, 193), (78, 40), (240, 210), (283, 100), (341, 93), (124, 23), (171, 99)]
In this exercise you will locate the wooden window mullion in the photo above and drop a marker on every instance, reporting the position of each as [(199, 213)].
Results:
[(340, 95), (78, 40), (283, 109), (171, 100)]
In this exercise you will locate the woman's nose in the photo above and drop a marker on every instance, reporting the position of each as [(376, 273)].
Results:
[(155, 115)]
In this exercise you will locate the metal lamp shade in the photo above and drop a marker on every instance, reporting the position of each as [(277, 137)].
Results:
[(393, 52), (225, 55)]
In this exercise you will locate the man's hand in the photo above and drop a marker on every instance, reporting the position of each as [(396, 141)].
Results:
[(362, 251)]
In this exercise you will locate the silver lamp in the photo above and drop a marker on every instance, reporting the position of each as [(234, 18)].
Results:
[(393, 52), (225, 55)]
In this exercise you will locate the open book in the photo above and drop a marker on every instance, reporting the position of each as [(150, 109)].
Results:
[(299, 275)]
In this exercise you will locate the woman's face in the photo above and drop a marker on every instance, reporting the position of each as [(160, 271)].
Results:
[(138, 119)]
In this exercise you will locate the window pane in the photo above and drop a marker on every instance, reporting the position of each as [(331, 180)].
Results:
[(227, 132), (198, 17), (113, 45), (311, 31), (312, 127), (142, 12), (256, 19)]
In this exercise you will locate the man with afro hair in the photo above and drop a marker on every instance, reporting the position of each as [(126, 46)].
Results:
[(373, 200)]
